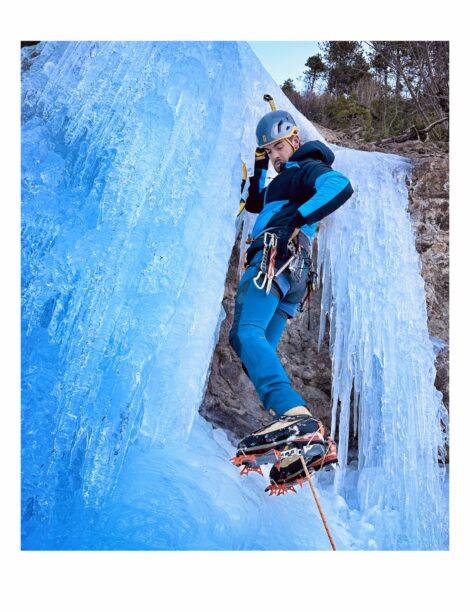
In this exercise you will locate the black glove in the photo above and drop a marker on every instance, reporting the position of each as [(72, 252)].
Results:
[(284, 235), (283, 238), (261, 159)]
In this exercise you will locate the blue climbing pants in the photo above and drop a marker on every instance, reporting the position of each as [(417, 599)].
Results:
[(259, 321)]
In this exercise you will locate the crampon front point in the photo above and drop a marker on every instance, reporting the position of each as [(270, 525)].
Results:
[(253, 463)]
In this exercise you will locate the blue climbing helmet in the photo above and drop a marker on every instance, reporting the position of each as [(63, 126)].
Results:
[(275, 126)]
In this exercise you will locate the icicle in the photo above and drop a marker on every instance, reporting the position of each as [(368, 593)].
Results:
[(379, 344)]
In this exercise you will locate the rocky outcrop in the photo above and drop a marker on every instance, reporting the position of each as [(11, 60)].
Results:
[(429, 209), (230, 401)]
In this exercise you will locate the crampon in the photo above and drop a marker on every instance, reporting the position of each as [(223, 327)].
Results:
[(287, 471), (253, 463), (274, 489)]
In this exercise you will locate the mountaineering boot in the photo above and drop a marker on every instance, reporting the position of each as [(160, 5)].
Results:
[(290, 471), (295, 427)]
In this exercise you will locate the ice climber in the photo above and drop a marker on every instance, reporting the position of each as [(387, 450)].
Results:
[(305, 190)]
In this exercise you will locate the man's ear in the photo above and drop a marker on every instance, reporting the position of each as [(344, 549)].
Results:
[(296, 141)]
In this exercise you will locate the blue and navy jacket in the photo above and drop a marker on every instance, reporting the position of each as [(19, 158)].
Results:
[(304, 192)]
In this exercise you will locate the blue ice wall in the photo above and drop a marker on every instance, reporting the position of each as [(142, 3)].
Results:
[(383, 357), (131, 164), (128, 205)]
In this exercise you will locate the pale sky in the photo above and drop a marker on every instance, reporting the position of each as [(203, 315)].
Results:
[(285, 59)]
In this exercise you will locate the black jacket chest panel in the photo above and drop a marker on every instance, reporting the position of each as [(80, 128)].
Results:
[(289, 185)]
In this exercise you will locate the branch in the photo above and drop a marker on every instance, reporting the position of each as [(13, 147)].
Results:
[(430, 127), (391, 56), (412, 133)]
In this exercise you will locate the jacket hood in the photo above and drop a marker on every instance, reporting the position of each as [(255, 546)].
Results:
[(314, 150)]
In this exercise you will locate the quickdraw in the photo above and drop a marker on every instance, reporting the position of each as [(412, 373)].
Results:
[(267, 271), (266, 268)]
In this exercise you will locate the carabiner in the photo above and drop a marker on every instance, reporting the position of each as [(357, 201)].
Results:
[(264, 281)]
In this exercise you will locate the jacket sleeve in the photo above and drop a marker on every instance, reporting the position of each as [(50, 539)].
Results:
[(331, 190), (255, 199)]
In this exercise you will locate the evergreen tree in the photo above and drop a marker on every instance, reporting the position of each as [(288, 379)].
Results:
[(399, 91), (379, 68), (315, 69), (288, 87), (346, 65)]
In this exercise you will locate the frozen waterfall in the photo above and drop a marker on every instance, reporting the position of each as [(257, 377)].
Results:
[(131, 167)]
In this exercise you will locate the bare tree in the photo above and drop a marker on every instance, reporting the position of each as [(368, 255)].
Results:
[(423, 68)]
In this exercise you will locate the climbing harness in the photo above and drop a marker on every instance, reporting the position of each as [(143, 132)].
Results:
[(296, 263), (267, 272)]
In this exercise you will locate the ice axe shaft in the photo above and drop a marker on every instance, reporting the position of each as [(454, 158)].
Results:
[(317, 501), (270, 100)]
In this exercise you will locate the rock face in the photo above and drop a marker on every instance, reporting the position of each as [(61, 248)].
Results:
[(429, 209), (230, 401)]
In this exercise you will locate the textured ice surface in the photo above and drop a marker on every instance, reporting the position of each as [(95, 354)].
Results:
[(382, 355), (131, 164)]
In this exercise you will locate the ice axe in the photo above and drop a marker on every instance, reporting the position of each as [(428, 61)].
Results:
[(268, 98)]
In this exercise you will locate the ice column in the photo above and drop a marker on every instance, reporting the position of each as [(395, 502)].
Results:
[(382, 356)]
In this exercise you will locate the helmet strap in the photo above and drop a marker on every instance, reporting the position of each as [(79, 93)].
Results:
[(294, 132)]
